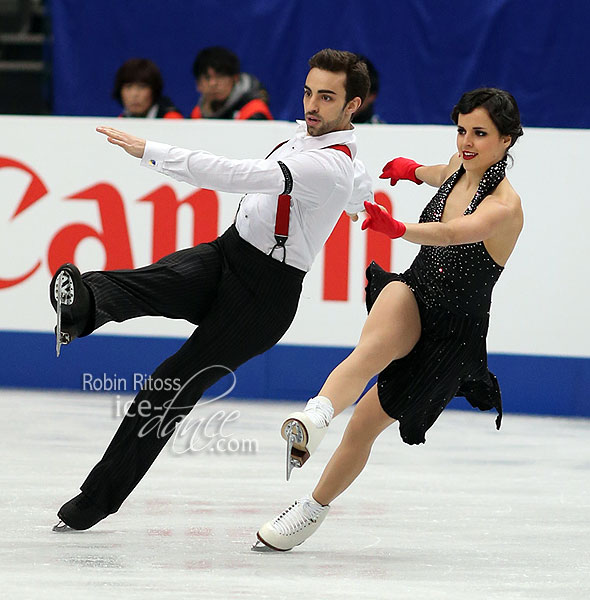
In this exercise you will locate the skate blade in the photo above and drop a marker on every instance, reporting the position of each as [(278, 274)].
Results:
[(61, 338), (295, 457), (264, 548), (61, 527), (58, 341), (297, 428), (260, 547)]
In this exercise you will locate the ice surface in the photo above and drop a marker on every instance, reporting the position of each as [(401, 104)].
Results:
[(474, 513)]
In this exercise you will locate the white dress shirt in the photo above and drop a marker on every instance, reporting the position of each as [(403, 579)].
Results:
[(325, 183)]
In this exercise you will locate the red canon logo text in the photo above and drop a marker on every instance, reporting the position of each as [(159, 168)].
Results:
[(113, 230)]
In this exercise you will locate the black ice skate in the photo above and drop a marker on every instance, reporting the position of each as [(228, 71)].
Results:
[(71, 300), (78, 514)]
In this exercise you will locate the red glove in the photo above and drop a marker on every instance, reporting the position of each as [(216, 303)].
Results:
[(379, 219), (401, 168)]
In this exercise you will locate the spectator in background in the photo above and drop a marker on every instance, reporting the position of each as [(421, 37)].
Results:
[(225, 92), (366, 114), (138, 87)]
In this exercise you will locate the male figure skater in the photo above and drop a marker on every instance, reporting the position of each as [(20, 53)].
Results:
[(241, 290)]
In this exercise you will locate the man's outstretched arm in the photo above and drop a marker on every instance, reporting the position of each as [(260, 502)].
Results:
[(312, 175), (200, 168)]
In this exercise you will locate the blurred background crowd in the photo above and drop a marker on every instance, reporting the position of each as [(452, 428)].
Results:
[(248, 60)]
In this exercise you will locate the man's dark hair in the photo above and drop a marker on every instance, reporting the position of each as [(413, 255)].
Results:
[(501, 107), (139, 70), (341, 61), (218, 58)]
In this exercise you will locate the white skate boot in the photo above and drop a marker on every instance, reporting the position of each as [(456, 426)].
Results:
[(293, 526), (304, 430)]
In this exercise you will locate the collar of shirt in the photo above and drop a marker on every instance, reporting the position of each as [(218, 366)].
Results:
[(310, 142)]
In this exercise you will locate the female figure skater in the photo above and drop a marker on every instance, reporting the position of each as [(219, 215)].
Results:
[(426, 331)]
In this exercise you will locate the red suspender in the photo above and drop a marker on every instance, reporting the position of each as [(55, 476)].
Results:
[(276, 148), (282, 220), (342, 148), (284, 201)]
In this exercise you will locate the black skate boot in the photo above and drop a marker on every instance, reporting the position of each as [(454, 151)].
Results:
[(78, 514), (70, 299)]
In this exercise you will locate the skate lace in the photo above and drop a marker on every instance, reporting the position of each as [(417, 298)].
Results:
[(319, 412), (298, 516)]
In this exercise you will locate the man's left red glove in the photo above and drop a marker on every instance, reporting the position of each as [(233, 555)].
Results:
[(379, 219)]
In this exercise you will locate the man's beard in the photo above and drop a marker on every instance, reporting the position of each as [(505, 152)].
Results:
[(327, 126)]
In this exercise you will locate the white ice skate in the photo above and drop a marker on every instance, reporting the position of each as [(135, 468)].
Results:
[(292, 527), (304, 430)]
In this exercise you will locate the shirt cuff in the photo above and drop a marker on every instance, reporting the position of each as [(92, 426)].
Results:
[(356, 206), (154, 155)]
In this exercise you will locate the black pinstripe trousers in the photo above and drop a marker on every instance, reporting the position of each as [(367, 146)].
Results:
[(242, 302)]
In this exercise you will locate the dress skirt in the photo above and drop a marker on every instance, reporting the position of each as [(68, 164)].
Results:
[(449, 359)]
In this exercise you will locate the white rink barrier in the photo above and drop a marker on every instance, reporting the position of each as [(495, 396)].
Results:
[(69, 195)]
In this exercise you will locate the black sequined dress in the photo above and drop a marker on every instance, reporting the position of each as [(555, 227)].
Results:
[(453, 289)]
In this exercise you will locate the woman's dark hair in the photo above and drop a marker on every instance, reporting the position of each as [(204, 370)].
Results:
[(218, 58), (139, 70), (340, 61), (373, 74), (501, 107)]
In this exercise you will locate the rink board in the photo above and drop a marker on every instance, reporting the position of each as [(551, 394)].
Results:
[(71, 196), (542, 385)]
